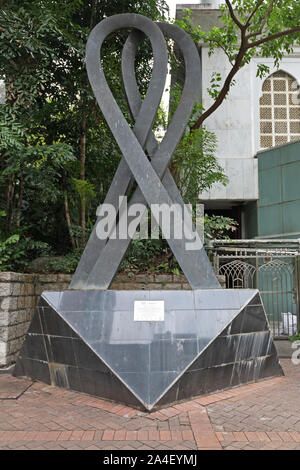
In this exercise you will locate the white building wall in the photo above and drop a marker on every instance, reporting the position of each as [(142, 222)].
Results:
[(236, 123)]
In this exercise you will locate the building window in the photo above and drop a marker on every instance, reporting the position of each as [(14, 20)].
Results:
[(279, 111)]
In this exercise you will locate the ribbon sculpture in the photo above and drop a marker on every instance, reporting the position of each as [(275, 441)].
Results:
[(101, 258)]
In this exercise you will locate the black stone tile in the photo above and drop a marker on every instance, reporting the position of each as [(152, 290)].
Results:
[(86, 358), (79, 301), (35, 370), (176, 355), (256, 300), (65, 376), (225, 299), (175, 300), (218, 378), (62, 350), (171, 396), (203, 360), (269, 367), (48, 347), (272, 351), (74, 378), (253, 345), (34, 347), (53, 324), (211, 323), (166, 336), (138, 382), (236, 325), (123, 300), (192, 384), (93, 382), (42, 302), (106, 386), (92, 326), (255, 369), (124, 357), (120, 393), (244, 372), (203, 343), (254, 319), (221, 351), (185, 323), (159, 383), (58, 374), (35, 325), (19, 369)]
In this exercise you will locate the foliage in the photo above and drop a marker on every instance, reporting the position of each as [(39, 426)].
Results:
[(66, 264), (295, 338), (57, 155), (141, 253), (216, 226), (194, 165), (17, 252), (247, 28), (85, 190)]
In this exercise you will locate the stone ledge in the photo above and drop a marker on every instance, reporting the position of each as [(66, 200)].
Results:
[(16, 277)]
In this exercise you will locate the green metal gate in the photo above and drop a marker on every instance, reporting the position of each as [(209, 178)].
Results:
[(272, 266)]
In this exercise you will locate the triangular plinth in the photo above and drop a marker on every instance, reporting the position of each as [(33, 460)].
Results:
[(89, 341)]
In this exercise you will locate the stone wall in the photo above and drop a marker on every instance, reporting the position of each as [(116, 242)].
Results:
[(19, 294)]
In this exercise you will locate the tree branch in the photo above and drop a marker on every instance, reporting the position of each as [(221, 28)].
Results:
[(224, 50), (254, 11), (268, 12), (233, 16), (296, 29), (245, 45), (226, 87)]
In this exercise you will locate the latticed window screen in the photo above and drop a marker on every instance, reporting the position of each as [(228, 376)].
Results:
[(279, 111)]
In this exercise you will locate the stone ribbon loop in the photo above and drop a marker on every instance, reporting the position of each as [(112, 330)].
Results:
[(155, 183)]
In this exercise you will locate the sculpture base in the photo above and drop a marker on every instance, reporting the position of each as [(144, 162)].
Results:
[(96, 342)]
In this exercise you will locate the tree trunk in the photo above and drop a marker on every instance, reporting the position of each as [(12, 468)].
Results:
[(83, 130), (68, 220), (82, 169), (19, 211), (10, 202)]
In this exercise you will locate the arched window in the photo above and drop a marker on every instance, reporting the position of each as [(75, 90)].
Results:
[(279, 110)]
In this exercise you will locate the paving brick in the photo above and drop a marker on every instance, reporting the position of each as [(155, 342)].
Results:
[(131, 435), (165, 435), (255, 417), (108, 435)]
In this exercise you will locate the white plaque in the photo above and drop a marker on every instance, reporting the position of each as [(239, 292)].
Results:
[(149, 310)]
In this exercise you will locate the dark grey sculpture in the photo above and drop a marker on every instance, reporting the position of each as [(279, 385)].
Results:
[(156, 185), (89, 338)]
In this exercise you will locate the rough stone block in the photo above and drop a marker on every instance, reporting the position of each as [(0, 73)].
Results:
[(145, 278), (172, 286), (5, 289), (3, 333), (17, 288), (47, 278), (9, 303), (21, 302), (163, 278)]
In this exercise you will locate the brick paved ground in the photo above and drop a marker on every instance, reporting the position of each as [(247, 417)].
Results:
[(257, 416)]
